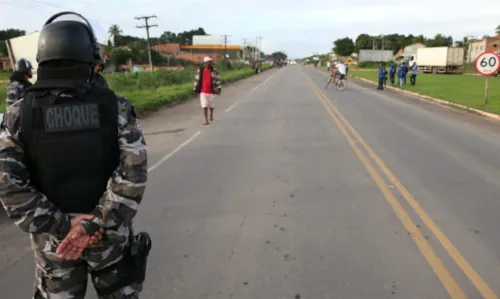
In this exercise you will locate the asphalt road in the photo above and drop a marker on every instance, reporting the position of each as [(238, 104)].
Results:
[(300, 192)]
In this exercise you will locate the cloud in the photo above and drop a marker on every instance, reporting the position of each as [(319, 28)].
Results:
[(297, 28)]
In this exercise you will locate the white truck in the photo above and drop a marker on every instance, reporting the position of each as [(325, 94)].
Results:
[(438, 60)]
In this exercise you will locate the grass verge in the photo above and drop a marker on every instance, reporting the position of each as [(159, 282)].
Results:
[(145, 100), (149, 92), (459, 89)]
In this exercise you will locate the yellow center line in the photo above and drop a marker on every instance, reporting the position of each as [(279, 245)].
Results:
[(453, 252), (430, 255)]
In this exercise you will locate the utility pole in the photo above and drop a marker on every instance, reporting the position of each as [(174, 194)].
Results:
[(244, 49), (260, 45), (147, 26), (225, 36), (257, 47)]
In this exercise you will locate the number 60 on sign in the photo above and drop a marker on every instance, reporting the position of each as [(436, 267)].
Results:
[(487, 64)]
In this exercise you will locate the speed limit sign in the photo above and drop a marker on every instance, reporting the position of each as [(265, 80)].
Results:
[(487, 63)]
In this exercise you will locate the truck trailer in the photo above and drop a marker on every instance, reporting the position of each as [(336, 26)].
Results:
[(439, 60)]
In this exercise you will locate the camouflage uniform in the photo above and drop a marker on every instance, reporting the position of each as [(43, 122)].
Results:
[(15, 92), (34, 213)]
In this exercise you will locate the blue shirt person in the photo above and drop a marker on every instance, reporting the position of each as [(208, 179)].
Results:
[(392, 72), (414, 72), (381, 76), (401, 74)]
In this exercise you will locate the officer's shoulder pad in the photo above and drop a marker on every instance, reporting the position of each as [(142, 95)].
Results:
[(125, 106), (122, 100)]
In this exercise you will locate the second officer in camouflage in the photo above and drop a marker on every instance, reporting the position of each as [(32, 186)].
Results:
[(73, 171), (19, 81)]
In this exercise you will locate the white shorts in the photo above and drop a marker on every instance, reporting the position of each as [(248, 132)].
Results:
[(207, 100)]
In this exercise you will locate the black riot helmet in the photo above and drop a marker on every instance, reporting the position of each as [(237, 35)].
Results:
[(24, 66), (67, 40)]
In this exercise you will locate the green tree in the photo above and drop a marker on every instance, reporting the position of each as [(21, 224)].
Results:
[(344, 46), (440, 40), (279, 55), (114, 32), (120, 56), (497, 30), (364, 41)]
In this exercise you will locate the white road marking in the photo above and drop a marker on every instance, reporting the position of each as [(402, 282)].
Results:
[(251, 92), (166, 157)]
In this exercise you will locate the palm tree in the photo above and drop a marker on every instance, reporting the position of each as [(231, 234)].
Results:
[(114, 31)]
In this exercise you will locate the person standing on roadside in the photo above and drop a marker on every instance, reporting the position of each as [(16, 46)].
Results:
[(207, 84), (401, 75), (405, 72), (19, 81), (76, 176), (381, 76), (414, 72), (98, 77), (392, 72)]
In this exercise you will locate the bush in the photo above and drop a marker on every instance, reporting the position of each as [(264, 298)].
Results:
[(370, 64), (125, 82), (145, 100), (148, 91), (3, 96)]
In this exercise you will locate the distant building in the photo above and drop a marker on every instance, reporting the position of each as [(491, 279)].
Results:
[(412, 50), (234, 52), (5, 63), (479, 46), (475, 48), (400, 56), (168, 48)]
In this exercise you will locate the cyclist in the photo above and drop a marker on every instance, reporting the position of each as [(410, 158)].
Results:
[(333, 71), (341, 70)]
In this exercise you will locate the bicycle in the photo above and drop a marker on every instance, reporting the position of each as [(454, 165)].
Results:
[(341, 84)]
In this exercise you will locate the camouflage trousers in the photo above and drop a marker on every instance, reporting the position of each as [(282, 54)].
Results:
[(62, 279)]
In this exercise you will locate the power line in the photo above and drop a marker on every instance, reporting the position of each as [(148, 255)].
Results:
[(147, 26)]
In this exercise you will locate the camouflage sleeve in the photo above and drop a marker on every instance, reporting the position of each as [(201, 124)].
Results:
[(30, 209), (128, 182), (14, 91), (218, 84)]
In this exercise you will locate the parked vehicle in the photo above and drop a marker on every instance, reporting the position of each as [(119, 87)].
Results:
[(438, 60)]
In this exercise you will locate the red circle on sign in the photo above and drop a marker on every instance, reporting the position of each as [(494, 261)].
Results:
[(485, 71)]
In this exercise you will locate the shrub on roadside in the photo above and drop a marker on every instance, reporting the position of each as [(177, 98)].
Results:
[(152, 90), (144, 100), (369, 64), (3, 96)]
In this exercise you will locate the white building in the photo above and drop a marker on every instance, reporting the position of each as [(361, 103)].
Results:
[(412, 50)]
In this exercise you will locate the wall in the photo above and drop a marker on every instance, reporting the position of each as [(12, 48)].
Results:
[(4, 64), (475, 48)]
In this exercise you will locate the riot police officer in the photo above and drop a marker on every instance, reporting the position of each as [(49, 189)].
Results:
[(99, 68), (76, 175), (19, 81)]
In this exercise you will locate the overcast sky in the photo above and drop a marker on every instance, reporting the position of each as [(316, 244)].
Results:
[(298, 29)]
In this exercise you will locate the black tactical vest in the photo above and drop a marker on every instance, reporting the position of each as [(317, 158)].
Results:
[(71, 144)]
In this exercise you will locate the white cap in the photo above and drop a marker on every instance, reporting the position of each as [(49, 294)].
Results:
[(207, 59)]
